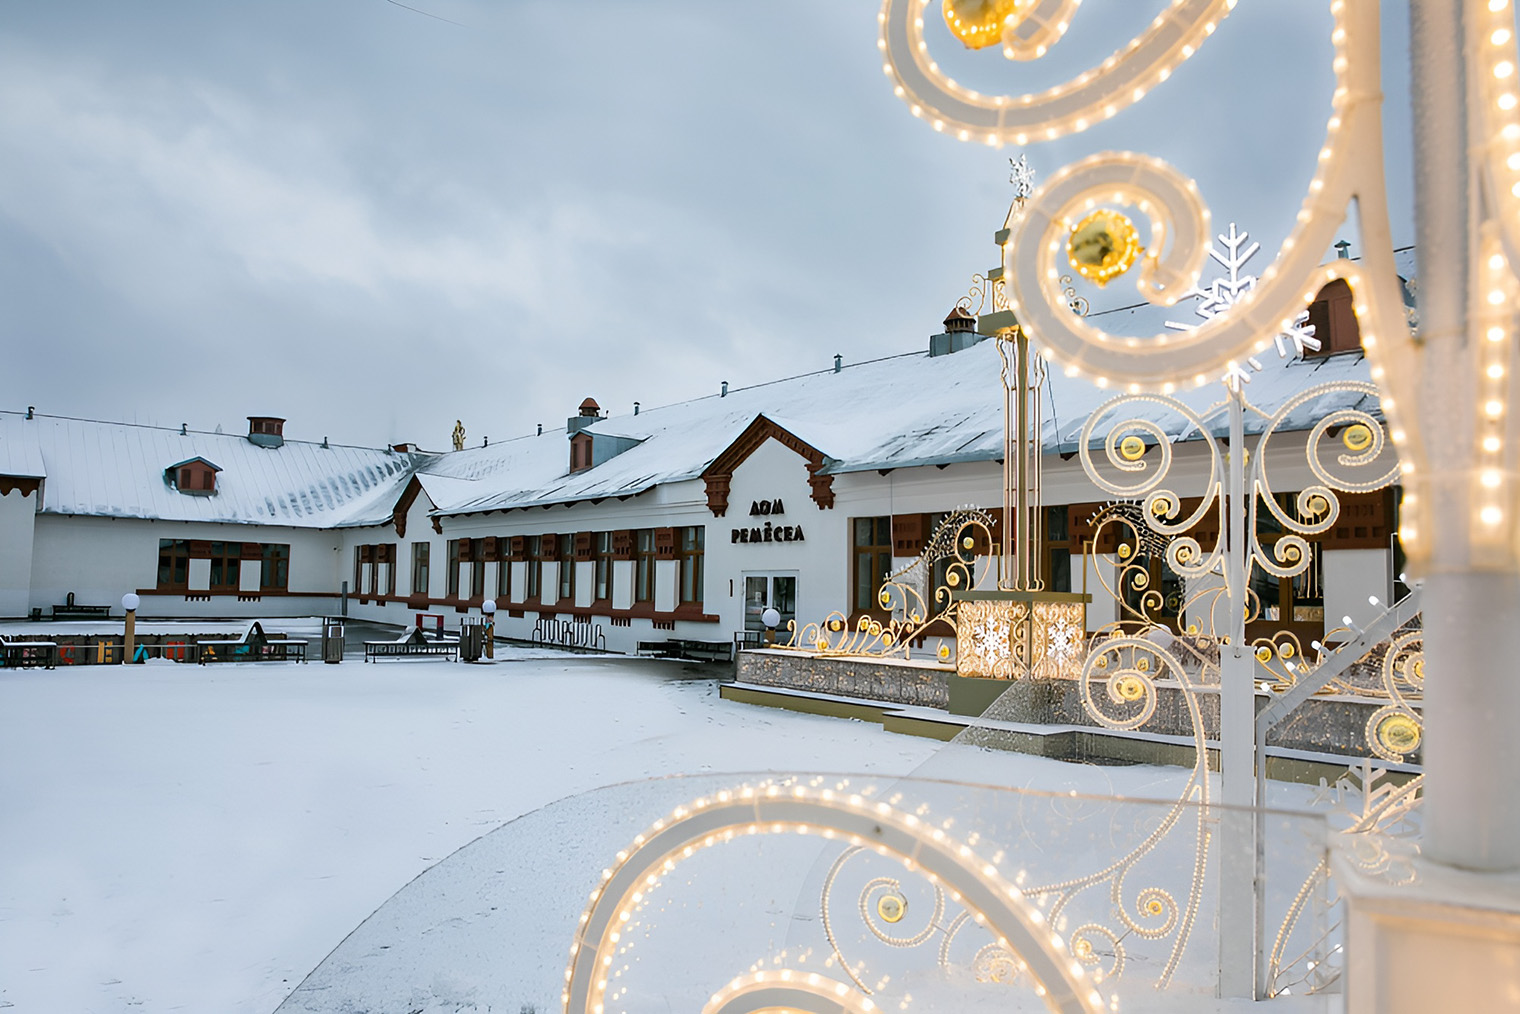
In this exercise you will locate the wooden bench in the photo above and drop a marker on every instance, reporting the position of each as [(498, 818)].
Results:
[(413, 644), (71, 611), (28, 654), (244, 650), (694, 651)]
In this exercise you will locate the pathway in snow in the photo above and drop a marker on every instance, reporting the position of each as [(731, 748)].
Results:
[(188, 838)]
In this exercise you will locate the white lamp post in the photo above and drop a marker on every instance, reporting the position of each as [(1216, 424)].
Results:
[(488, 608), (771, 618), (130, 602)]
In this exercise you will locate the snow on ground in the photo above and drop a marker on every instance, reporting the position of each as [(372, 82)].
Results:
[(198, 838)]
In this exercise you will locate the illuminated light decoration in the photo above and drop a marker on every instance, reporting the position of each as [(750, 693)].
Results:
[(997, 903), (1090, 97), (1350, 169), (981, 23), (1103, 246), (891, 907), (1357, 437), (786, 990)]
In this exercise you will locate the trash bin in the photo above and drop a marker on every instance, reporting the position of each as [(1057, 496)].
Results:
[(471, 641), (332, 640)]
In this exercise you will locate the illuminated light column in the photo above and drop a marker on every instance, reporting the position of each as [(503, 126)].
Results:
[(1472, 614)]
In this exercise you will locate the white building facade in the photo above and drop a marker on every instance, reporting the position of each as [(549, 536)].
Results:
[(683, 522)]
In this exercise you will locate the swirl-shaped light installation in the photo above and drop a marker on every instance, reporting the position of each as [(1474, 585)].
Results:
[(993, 901), (1349, 170)]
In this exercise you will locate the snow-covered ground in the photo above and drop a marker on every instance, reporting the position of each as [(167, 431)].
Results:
[(176, 837)]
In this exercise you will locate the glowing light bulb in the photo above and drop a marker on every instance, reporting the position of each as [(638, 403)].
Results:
[(1491, 479), (1491, 515), (1491, 444), (1493, 408)]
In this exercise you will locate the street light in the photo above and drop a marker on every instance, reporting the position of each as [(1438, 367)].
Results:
[(130, 602), (771, 618), (488, 608)]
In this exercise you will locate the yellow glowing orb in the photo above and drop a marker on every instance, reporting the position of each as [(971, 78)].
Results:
[(1103, 246), (980, 23), (1132, 448), (823, 644), (885, 597), (1417, 669), (836, 625), (1192, 628), (1158, 507), (1286, 649), (1101, 663), (968, 543), (1124, 551), (944, 651), (1358, 437), (1082, 948), (1398, 733), (1263, 654), (892, 907), (886, 639), (1154, 907), (1130, 688), (1143, 664), (952, 579), (1317, 505), (1184, 554)]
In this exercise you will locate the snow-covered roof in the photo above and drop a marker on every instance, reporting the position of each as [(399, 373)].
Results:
[(895, 412), (117, 470)]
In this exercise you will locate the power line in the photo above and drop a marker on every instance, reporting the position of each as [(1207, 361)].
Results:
[(428, 14)]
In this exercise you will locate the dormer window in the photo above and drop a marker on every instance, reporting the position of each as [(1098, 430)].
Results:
[(580, 452), (1333, 314), (193, 477), (266, 430)]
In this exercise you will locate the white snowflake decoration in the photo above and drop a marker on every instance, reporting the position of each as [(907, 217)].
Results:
[(1064, 640), (992, 638), (1225, 292)]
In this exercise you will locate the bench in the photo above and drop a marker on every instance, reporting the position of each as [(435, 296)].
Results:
[(72, 611), (412, 644), (243, 650), (694, 651), (28, 654)]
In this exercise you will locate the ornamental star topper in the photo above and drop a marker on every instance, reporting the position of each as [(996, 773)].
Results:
[(1021, 175)]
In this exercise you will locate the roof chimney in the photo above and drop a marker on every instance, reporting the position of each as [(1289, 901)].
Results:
[(635, 408), (724, 393), (838, 362), (960, 333), (590, 412), (266, 431)]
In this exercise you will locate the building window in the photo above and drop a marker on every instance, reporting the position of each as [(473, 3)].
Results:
[(566, 567), (535, 567), (504, 577), (603, 566), (173, 563), (1057, 563), (453, 571), (274, 570), (689, 552), (872, 559), (643, 555), (374, 570), (477, 573), (420, 552), (358, 585), (226, 557)]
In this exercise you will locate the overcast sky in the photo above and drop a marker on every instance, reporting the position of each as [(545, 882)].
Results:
[(374, 221)]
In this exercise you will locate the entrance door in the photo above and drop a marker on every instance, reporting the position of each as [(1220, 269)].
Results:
[(770, 591)]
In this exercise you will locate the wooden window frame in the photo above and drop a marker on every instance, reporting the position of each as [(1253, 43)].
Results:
[(601, 577), (876, 549), (422, 569), (643, 565), (690, 550), (177, 552)]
